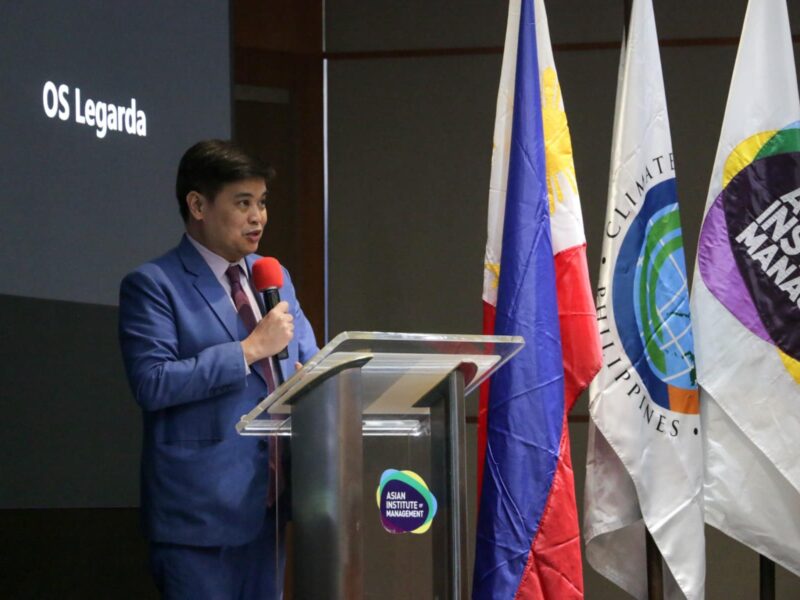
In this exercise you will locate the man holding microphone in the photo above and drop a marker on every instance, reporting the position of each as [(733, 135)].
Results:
[(197, 347)]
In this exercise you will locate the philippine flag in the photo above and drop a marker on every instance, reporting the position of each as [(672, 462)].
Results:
[(527, 536)]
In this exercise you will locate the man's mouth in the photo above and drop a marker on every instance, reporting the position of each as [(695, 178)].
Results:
[(253, 236)]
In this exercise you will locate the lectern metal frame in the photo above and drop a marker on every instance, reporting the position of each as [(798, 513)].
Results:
[(348, 390)]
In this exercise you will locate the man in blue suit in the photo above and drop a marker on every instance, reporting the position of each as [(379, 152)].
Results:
[(195, 368)]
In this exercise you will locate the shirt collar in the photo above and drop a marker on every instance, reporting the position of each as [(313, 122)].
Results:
[(216, 263)]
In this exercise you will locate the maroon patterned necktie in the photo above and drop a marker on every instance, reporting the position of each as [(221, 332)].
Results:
[(248, 317)]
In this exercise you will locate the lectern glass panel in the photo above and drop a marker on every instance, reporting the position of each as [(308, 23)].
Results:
[(398, 370)]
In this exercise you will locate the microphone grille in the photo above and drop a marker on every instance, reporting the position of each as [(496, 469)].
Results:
[(267, 273)]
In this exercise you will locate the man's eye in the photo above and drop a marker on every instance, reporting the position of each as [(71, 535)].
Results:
[(263, 203)]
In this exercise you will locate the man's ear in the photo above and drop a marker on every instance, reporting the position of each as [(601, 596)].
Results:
[(197, 204)]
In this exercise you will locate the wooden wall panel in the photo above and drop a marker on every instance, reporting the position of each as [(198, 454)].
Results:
[(278, 49)]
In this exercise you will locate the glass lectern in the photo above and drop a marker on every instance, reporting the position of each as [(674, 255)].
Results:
[(375, 423)]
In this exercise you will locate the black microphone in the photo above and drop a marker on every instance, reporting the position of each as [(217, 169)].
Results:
[(268, 279)]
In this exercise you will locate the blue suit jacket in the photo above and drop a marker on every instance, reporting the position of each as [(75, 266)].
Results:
[(202, 483)]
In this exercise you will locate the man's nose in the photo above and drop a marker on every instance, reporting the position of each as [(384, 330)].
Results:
[(255, 215)]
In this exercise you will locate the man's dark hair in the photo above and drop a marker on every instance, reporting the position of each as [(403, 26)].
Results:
[(209, 165)]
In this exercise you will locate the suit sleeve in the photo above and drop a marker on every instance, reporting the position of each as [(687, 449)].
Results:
[(303, 333), (158, 376), (306, 342)]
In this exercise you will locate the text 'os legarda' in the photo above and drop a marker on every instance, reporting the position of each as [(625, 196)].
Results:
[(103, 116)]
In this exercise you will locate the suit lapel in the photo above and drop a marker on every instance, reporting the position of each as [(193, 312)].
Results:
[(209, 288)]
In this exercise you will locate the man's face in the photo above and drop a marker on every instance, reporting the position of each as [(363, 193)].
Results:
[(232, 224)]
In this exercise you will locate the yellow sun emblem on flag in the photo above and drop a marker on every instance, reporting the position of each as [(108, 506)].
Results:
[(557, 143), (494, 269)]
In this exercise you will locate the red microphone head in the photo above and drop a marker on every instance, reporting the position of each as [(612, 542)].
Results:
[(267, 273)]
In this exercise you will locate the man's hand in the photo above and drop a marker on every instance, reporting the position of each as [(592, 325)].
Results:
[(271, 335)]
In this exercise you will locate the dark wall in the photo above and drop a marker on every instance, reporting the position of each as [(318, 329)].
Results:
[(70, 435), (76, 554), (69, 441)]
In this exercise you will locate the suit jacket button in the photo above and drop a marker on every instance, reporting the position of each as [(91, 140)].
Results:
[(263, 444)]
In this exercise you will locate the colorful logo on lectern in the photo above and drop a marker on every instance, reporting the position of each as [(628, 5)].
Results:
[(406, 504)]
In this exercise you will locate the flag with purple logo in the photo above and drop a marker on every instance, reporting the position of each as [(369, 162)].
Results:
[(746, 298)]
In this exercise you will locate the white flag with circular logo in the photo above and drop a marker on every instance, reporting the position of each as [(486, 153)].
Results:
[(644, 465)]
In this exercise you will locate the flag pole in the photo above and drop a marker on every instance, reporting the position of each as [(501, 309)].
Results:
[(626, 15), (655, 575), (766, 578)]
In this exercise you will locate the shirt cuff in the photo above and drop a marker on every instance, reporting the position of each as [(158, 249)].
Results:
[(246, 366)]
